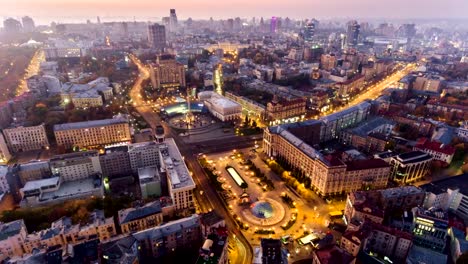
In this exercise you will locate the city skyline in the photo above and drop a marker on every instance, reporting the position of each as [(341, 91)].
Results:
[(72, 11)]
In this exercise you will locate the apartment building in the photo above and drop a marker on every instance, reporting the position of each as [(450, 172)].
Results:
[(328, 173), (63, 233), (115, 162), (410, 167), (181, 233), (145, 154), (76, 166), (140, 218), (448, 194), (335, 123), (31, 171), (93, 133), (19, 139), (179, 180), (12, 237), (280, 110), (370, 136), (373, 205), (437, 150), (167, 73), (381, 240)]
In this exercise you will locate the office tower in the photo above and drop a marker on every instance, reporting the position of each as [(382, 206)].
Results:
[(352, 33), (172, 20), (28, 24), (11, 25), (309, 31), (273, 25), (230, 25), (157, 36)]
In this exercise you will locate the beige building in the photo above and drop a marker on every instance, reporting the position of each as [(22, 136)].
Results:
[(5, 154), (21, 138), (93, 133), (284, 109), (12, 237), (328, 174), (62, 232), (84, 100), (167, 74), (137, 219)]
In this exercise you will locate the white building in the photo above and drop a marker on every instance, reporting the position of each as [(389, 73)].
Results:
[(54, 190), (221, 107), (21, 138), (12, 237), (179, 180)]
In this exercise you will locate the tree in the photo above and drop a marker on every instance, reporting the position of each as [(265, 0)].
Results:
[(254, 124)]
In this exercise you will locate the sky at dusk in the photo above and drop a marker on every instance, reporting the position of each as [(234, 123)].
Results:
[(66, 10)]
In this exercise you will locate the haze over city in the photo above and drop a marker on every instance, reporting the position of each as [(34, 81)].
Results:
[(73, 10)]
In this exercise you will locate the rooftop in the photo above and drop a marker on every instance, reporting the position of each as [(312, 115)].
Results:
[(72, 189), (366, 164), (400, 191), (459, 182), (132, 214), (426, 144), (40, 184), (333, 255), (335, 116), (174, 164), (147, 174), (413, 157), (167, 229), (10, 229), (90, 124), (371, 124), (213, 248)]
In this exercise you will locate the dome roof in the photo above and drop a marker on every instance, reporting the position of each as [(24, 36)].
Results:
[(262, 209)]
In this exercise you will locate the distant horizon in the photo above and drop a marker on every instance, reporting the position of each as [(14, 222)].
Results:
[(43, 11), (46, 21)]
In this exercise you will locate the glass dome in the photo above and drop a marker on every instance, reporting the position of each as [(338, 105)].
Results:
[(262, 209)]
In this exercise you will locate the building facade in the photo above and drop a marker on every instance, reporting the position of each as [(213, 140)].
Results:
[(93, 133), (137, 219), (410, 167), (21, 139)]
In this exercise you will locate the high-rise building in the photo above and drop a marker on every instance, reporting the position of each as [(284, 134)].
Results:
[(309, 31), (273, 25), (28, 24), (173, 21), (11, 25), (157, 36), (352, 33), (167, 73)]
